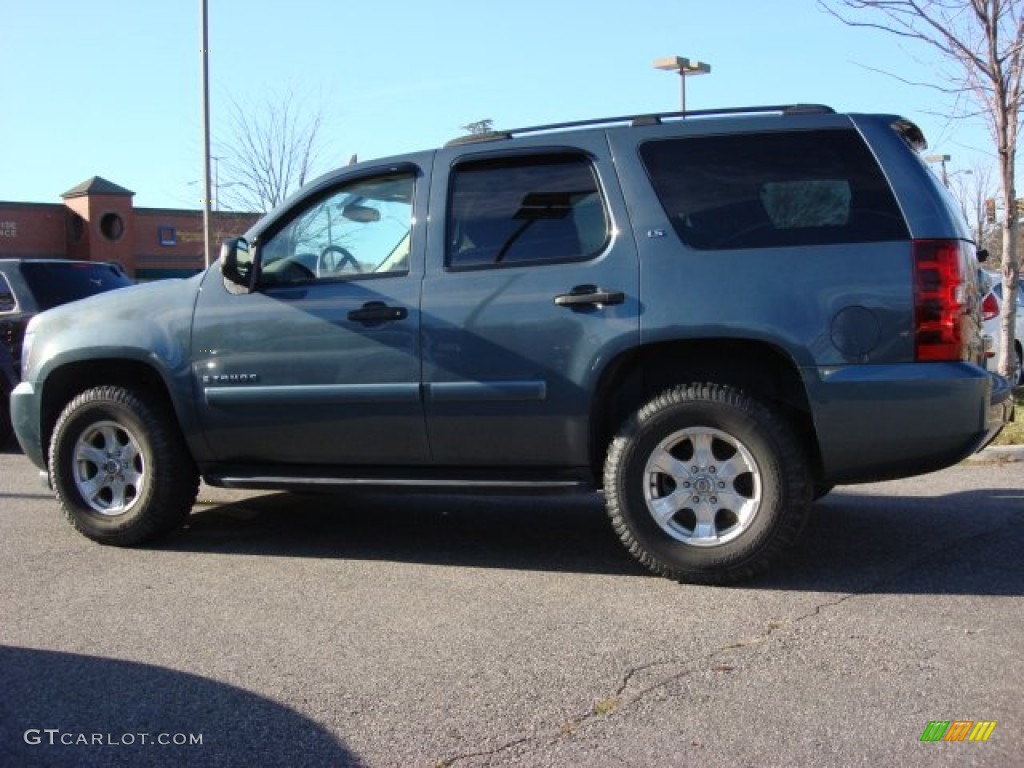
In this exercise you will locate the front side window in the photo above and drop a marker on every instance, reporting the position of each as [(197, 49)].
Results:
[(523, 210), (767, 190), (361, 229)]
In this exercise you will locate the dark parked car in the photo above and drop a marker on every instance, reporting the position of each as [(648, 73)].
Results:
[(712, 317), (8, 380), (30, 286)]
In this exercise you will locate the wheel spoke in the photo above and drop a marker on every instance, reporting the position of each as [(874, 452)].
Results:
[(730, 500), (702, 455), (91, 487), (108, 434), (729, 470), (117, 487), (665, 508), (705, 530), (130, 454), (91, 454), (664, 462), (131, 477)]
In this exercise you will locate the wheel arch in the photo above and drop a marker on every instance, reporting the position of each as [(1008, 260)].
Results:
[(63, 384), (758, 368)]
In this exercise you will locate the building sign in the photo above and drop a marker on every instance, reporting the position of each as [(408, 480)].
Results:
[(167, 235), (8, 229)]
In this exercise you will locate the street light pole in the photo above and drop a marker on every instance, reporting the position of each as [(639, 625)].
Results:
[(205, 52), (942, 160), (684, 67)]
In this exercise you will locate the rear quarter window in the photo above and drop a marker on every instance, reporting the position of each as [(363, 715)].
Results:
[(762, 190)]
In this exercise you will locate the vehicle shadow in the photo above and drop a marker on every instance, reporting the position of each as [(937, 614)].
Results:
[(962, 543), (564, 533), (66, 709), (966, 543)]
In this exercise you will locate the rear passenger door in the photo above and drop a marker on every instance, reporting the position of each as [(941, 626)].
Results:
[(530, 289)]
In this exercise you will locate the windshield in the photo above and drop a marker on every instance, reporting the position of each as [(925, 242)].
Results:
[(54, 283)]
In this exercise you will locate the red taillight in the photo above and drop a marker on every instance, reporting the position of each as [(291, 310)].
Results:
[(989, 307), (939, 300)]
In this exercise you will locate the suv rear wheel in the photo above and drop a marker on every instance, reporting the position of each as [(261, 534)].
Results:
[(120, 468), (704, 484)]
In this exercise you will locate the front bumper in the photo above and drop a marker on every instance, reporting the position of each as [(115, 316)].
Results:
[(25, 412)]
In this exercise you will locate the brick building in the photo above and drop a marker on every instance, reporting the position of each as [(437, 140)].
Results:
[(98, 222)]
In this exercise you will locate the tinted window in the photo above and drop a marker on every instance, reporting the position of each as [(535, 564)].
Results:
[(7, 301), (361, 229), (773, 189), (54, 283), (524, 210)]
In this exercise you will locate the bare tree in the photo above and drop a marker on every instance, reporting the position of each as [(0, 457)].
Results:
[(983, 43), (479, 127), (972, 188), (271, 150)]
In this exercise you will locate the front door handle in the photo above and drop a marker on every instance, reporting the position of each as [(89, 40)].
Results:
[(375, 312), (589, 295)]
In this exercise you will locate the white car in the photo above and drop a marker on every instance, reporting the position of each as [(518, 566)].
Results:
[(991, 306)]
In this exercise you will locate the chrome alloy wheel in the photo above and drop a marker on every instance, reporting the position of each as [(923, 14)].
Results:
[(702, 486), (109, 468)]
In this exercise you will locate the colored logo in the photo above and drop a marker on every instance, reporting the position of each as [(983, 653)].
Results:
[(958, 730)]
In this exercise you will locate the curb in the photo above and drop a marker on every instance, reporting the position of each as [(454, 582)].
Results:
[(997, 454)]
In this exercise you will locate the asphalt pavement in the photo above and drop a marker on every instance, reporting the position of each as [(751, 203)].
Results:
[(436, 631)]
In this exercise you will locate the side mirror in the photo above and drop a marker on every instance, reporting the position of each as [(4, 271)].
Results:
[(237, 265)]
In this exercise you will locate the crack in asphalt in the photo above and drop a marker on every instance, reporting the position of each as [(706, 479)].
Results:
[(617, 701)]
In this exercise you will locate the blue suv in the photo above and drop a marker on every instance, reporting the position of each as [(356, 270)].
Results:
[(712, 317)]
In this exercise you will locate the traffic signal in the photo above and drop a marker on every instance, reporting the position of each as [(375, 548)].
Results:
[(990, 211)]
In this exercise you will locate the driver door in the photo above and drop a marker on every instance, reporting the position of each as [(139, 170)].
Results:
[(320, 363)]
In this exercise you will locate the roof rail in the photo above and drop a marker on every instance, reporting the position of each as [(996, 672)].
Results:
[(640, 120)]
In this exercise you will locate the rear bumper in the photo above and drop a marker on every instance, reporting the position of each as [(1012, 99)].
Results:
[(884, 422)]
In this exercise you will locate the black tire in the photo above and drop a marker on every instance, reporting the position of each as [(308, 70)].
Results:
[(821, 491), (6, 431), (120, 468), (739, 496)]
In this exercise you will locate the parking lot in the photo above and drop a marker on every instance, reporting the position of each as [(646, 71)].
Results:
[(418, 631)]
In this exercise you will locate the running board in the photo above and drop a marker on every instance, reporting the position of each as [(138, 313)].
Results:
[(514, 483)]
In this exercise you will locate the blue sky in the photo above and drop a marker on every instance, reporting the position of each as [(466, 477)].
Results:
[(112, 87)]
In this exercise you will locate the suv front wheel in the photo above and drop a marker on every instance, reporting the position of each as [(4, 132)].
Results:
[(120, 468), (706, 485)]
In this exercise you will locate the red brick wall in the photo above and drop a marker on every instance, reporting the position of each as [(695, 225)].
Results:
[(32, 230), (149, 242), (168, 240)]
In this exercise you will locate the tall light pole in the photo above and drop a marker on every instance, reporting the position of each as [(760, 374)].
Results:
[(205, 53), (685, 67), (942, 160)]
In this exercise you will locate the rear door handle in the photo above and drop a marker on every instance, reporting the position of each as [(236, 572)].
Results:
[(374, 312), (589, 295)]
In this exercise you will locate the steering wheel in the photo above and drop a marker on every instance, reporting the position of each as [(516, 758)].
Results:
[(334, 259)]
